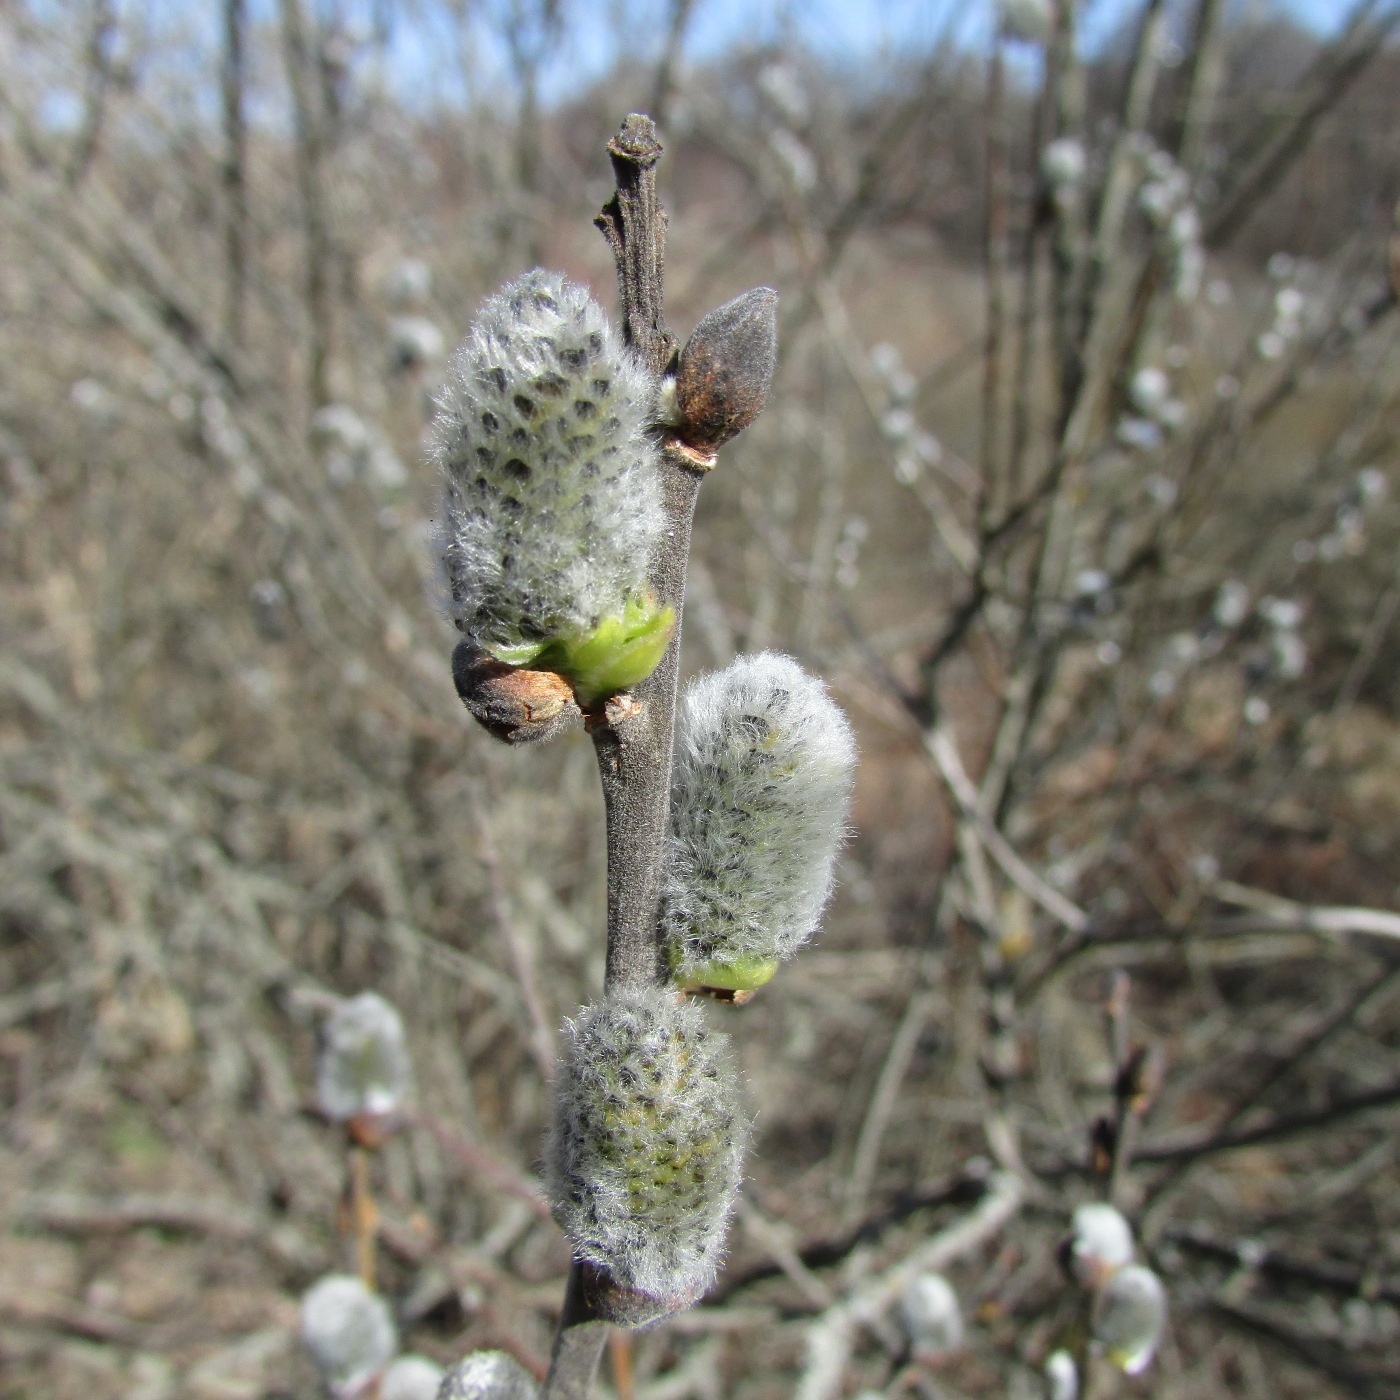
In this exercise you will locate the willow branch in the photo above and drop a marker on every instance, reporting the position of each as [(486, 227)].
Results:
[(633, 737)]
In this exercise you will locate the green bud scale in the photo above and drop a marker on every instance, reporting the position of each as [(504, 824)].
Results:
[(646, 1149)]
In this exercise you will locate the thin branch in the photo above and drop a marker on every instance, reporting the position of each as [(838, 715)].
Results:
[(1336, 71), (883, 1101), (541, 1037), (633, 741), (996, 258), (664, 84), (1291, 1125), (825, 1253), (1316, 918), (232, 80), (97, 84), (310, 168), (831, 1338), (944, 753)]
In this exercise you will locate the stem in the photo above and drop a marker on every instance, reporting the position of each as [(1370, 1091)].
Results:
[(232, 79), (620, 1352), (634, 761), (634, 753), (578, 1345), (364, 1216), (633, 742), (634, 224)]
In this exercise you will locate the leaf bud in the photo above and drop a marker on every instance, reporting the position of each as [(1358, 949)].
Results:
[(349, 1332), (726, 369), (1130, 1315), (362, 1069), (645, 1152)]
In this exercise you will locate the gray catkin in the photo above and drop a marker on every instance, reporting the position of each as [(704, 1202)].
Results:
[(411, 1378), (349, 1332), (488, 1375), (764, 761), (552, 498), (646, 1148), (1130, 1315), (363, 1064)]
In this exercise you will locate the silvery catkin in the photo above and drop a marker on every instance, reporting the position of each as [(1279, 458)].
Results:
[(552, 500), (762, 784), (646, 1147), (349, 1332), (363, 1065), (488, 1375)]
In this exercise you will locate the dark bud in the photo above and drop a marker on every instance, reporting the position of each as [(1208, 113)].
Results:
[(1103, 1143), (516, 705), (622, 1306), (1395, 254), (726, 369), (371, 1130)]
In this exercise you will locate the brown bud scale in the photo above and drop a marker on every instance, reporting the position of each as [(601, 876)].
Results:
[(623, 1306), (516, 705), (726, 369)]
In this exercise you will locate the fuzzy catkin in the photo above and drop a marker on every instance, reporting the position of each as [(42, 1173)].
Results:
[(411, 1378), (646, 1147), (349, 1332), (1101, 1243), (552, 502), (1130, 1315), (363, 1064), (764, 760), (488, 1375)]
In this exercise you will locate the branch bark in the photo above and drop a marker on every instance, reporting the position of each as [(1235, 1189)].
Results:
[(633, 742), (633, 737), (232, 80), (310, 167)]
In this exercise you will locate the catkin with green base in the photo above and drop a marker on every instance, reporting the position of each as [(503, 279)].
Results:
[(764, 761), (645, 1151), (552, 505)]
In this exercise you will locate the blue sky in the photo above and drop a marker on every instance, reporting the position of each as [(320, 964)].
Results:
[(426, 55), (854, 29)]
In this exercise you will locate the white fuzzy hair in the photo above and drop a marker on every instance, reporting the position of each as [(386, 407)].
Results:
[(488, 1375), (646, 1148), (552, 498), (764, 760)]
